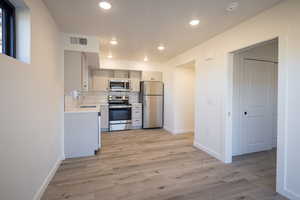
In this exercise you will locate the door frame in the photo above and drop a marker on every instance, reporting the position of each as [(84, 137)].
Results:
[(281, 109), (237, 109)]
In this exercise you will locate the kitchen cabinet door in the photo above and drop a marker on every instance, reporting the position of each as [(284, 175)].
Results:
[(100, 83), (104, 116), (81, 133), (76, 71), (72, 71), (121, 74), (137, 115), (85, 72), (152, 76), (135, 85), (135, 75), (135, 78)]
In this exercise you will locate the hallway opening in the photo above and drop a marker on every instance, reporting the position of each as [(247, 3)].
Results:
[(254, 105), (184, 98)]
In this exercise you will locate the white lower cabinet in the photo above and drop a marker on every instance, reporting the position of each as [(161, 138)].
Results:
[(137, 123), (82, 136), (137, 115)]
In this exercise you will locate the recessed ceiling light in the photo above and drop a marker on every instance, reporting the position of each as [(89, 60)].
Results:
[(113, 42), (146, 59), (194, 22), (161, 48), (232, 6), (105, 5), (109, 56)]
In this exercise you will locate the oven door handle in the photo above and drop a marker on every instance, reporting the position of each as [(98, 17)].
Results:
[(120, 107)]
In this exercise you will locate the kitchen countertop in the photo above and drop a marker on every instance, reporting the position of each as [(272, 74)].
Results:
[(84, 109), (81, 111)]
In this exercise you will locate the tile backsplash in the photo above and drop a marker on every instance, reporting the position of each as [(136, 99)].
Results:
[(71, 102), (94, 98), (97, 98)]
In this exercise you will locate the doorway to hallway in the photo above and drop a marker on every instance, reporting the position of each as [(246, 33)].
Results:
[(184, 98), (255, 88), (254, 105)]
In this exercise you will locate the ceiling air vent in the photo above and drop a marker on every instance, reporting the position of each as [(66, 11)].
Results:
[(78, 41)]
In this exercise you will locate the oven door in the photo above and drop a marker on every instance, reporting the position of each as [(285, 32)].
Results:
[(119, 118), (119, 114)]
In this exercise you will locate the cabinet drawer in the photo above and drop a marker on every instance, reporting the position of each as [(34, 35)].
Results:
[(137, 122), (136, 117), (137, 106), (137, 109), (136, 112)]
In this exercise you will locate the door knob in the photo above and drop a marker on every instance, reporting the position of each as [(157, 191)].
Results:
[(245, 113)]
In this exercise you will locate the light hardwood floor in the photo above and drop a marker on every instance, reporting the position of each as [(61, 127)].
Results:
[(155, 165)]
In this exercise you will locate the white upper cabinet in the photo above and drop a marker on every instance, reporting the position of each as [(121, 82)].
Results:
[(77, 70), (135, 85), (135, 79), (152, 76), (135, 75), (72, 71), (84, 72), (121, 74), (101, 83), (92, 60), (101, 79)]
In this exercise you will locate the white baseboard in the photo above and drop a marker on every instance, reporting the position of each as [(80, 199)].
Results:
[(182, 131), (289, 194), (46, 182), (208, 151), (168, 129), (175, 132)]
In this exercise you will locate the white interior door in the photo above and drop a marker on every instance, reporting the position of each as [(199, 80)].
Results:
[(257, 105)]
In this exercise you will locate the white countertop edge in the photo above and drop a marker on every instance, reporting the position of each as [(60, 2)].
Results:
[(82, 111)]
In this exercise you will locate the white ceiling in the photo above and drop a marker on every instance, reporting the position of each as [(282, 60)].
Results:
[(141, 25)]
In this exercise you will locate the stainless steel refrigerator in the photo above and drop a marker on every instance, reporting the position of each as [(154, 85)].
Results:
[(152, 97)]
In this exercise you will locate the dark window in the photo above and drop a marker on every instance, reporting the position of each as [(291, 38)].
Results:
[(7, 28)]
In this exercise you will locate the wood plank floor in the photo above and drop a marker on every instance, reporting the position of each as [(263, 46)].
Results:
[(155, 165)]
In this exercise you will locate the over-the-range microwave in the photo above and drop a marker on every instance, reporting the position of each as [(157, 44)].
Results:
[(119, 85)]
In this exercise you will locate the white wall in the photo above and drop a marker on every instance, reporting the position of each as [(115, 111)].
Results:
[(130, 65), (169, 106), (183, 100), (213, 124), (92, 43), (31, 119)]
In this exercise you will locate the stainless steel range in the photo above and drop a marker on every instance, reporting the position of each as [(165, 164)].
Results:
[(119, 113)]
